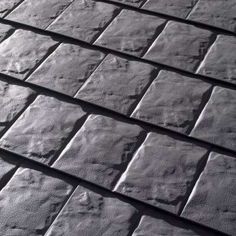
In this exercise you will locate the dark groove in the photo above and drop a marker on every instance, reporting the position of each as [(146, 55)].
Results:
[(186, 18), (142, 4), (16, 6), (7, 177), (134, 223)]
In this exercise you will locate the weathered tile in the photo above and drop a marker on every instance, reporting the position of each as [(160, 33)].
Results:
[(217, 123), (172, 101), (30, 201), (179, 8), (84, 19), (38, 13), (220, 13), (89, 213), (162, 172), (213, 201), (7, 5), (100, 150), (5, 168), (5, 31), (21, 52), (131, 32), (42, 129), (67, 68), (117, 83), (135, 3), (220, 62), (181, 45)]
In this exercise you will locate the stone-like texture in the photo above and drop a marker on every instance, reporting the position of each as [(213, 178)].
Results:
[(135, 3), (213, 201), (7, 5), (217, 123), (220, 13), (100, 150), (172, 101), (162, 171), (30, 201), (131, 32), (13, 99), (89, 213), (117, 83), (5, 168), (5, 31), (179, 8), (21, 52), (42, 128), (180, 45), (38, 13), (67, 68), (220, 62), (84, 19)]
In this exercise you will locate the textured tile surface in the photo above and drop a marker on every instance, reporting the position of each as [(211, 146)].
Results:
[(7, 5)]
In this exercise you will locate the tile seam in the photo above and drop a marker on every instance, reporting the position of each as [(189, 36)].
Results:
[(16, 6)]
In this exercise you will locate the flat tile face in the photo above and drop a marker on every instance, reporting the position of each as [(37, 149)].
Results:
[(213, 201), (5, 31), (162, 172), (180, 45), (217, 123), (100, 150), (30, 201), (38, 13), (131, 32), (67, 68), (42, 128), (135, 3), (179, 8), (5, 168), (89, 213), (172, 101), (21, 52), (13, 99), (220, 62), (220, 13), (7, 5), (117, 84), (84, 19)]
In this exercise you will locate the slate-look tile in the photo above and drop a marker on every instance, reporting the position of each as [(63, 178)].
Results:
[(30, 201), (135, 3), (100, 150), (7, 5), (84, 19), (42, 128), (5, 168), (5, 31), (172, 101), (180, 45), (220, 13), (162, 171), (220, 62), (213, 201), (117, 83), (67, 68), (38, 13), (217, 123), (131, 32), (21, 52)]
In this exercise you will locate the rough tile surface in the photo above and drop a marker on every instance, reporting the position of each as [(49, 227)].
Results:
[(117, 83), (30, 201), (162, 171), (180, 45), (100, 150), (172, 101), (131, 32), (135, 3), (213, 201), (7, 5), (42, 128), (67, 68)]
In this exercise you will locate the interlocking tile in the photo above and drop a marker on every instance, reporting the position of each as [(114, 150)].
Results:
[(220, 13), (21, 52), (30, 201), (67, 68), (84, 19), (162, 171), (89, 213), (100, 150), (135, 3), (179, 8), (217, 123), (213, 201), (172, 101), (117, 83), (180, 45), (42, 128), (38, 13), (131, 32), (7, 5), (220, 62), (5, 169), (5, 31)]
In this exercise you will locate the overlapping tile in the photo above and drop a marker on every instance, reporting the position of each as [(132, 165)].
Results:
[(5, 31), (7, 5)]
